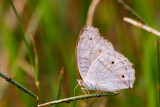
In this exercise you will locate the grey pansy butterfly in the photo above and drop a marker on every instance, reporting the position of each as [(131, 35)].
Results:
[(100, 66)]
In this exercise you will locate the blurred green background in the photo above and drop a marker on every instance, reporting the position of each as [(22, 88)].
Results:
[(55, 25)]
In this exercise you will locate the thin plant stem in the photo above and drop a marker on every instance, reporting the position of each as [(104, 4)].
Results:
[(18, 85), (59, 84), (36, 67), (142, 26), (91, 11), (131, 10), (81, 97), (22, 33), (158, 57)]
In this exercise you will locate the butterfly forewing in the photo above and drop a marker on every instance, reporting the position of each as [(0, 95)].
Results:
[(89, 47)]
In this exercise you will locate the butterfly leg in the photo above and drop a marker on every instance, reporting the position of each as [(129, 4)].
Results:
[(87, 91), (116, 92), (99, 89), (102, 92), (83, 89)]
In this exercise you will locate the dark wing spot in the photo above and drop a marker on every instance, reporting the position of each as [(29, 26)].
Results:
[(90, 38), (122, 76), (132, 66), (112, 62)]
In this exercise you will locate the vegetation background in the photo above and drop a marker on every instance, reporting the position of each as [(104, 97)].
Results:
[(55, 25)]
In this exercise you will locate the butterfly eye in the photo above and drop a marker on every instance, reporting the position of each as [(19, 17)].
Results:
[(122, 76)]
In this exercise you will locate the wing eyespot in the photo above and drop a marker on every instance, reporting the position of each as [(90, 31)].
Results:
[(112, 62), (122, 76)]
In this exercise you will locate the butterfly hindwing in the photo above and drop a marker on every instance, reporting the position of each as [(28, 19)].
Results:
[(111, 69)]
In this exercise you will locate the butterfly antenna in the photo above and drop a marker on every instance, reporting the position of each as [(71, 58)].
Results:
[(62, 71)]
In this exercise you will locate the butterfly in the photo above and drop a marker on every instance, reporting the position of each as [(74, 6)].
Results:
[(99, 65)]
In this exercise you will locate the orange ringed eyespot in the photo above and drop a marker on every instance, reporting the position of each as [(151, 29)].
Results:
[(122, 76)]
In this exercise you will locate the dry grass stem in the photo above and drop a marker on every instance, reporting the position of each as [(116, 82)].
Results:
[(91, 11), (142, 26), (36, 59)]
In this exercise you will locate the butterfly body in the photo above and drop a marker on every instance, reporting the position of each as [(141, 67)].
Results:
[(100, 66), (87, 84)]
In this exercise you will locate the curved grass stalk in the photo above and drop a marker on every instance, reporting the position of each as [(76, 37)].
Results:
[(22, 34), (81, 97), (91, 11)]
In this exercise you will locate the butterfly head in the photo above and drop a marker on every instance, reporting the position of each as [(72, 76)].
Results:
[(80, 82), (86, 84)]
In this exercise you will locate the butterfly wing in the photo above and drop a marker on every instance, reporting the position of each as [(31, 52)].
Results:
[(89, 46), (111, 71)]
